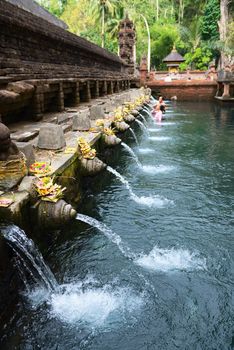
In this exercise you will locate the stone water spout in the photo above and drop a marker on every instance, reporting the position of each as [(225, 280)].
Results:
[(129, 118), (111, 140), (121, 126), (55, 215), (135, 113), (90, 167)]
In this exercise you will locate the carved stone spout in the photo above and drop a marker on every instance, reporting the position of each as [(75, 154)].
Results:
[(111, 140), (90, 167), (129, 118), (121, 126)]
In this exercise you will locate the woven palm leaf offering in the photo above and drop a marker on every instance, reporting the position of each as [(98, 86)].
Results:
[(85, 150), (119, 122), (109, 131), (48, 190), (5, 202), (40, 169)]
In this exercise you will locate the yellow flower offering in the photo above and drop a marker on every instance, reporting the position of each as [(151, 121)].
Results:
[(86, 151), (40, 168), (48, 191)]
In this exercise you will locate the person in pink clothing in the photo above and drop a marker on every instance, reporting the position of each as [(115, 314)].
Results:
[(159, 113)]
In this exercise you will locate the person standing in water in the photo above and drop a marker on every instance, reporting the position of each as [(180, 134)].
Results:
[(158, 106), (159, 113)]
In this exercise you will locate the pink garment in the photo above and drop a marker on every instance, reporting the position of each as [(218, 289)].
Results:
[(158, 116)]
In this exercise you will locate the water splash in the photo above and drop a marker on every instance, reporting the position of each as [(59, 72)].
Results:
[(149, 201), (112, 236), (150, 169), (169, 123), (80, 304), (146, 150), (134, 136), (30, 258), (159, 138), (171, 259), (142, 126), (154, 129), (130, 151)]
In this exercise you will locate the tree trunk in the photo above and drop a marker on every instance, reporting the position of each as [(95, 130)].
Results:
[(223, 27)]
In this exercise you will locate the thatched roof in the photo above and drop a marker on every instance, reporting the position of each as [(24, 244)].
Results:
[(174, 56)]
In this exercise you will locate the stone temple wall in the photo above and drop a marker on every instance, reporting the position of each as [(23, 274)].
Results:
[(33, 7), (43, 65)]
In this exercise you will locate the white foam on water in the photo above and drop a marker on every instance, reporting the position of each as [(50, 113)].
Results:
[(171, 259), (159, 138), (77, 304), (146, 150), (169, 123), (154, 130), (159, 169), (152, 201)]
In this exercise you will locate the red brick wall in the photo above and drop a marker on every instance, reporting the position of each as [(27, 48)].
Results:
[(186, 90)]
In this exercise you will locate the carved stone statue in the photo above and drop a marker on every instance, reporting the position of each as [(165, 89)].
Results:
[(8, 150)]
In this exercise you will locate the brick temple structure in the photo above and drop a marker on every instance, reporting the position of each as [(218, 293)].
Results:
[(127, 43), (44, 68)]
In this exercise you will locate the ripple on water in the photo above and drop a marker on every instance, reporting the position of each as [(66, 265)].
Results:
[(166, 260)]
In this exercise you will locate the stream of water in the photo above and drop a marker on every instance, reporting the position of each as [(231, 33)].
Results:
[(148, 264)]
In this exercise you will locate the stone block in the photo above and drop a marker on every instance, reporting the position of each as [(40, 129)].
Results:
[(97, 112), (81, 121), (62, 118), (51, 136), (28, 150), (108, 107), (27, 184)]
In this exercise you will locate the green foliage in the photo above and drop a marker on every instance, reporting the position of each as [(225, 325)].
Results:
[(163, 37), (209, 24), (198, 59), (190, 24)]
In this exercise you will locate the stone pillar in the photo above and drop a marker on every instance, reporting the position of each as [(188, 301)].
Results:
[(87, 92), (226, 90), (218, 89), (77, 94), (104, 88), (110, 89), (143, 69), (96, 89), (38, 103), (117, 86), (60, 98)]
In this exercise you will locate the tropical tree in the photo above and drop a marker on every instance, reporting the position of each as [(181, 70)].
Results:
[(101, 10)]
